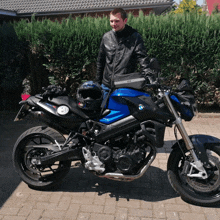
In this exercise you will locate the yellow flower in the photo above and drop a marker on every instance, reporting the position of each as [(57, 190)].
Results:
[(186, 6)]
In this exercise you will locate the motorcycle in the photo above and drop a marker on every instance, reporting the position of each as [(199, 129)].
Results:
[(120, 142)]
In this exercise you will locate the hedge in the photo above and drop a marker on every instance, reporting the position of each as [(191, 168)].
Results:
[(13, 67), (186, 45)]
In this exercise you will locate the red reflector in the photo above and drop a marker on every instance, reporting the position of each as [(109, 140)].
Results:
[(25, 96)]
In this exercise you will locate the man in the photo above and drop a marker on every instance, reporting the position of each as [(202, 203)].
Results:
[(121, 50)]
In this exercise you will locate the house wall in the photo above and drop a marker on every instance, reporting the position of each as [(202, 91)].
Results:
[(211, 4)]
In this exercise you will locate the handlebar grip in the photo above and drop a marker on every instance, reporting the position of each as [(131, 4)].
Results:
[(152, 86)]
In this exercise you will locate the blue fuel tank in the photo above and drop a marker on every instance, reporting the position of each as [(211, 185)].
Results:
[(118, 106)]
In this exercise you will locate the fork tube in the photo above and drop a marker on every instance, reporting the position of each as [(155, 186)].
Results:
[(180, 127)]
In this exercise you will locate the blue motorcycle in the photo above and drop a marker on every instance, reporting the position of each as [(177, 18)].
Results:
[(119, 140)]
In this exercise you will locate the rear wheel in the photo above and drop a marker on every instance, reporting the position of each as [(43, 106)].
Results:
[(25, 155), (196, 190)]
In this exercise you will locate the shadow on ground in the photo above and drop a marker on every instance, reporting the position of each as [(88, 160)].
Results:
[(153, 186), (9, 132)]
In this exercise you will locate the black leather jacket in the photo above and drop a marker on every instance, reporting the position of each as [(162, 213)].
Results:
[(119, 54)]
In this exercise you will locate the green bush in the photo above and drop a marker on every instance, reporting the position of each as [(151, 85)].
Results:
[(68, 47), (187, 45)]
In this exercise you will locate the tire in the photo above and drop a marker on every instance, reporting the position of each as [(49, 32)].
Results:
[(195, 190), (37, 176)]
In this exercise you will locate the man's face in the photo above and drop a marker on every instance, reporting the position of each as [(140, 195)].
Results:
[(117, 23)]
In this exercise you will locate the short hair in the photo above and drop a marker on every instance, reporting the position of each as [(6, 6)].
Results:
[(121, 11)]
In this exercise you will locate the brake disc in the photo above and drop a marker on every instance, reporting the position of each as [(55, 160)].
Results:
[(212, 183)]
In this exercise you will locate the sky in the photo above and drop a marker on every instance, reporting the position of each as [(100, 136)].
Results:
[(199, 2)]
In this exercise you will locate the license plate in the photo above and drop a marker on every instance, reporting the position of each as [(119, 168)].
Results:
[(22, 113)]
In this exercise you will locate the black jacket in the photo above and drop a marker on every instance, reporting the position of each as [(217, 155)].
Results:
[(119, 54)]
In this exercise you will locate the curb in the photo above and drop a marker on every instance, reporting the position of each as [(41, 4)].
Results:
[(208, 115)]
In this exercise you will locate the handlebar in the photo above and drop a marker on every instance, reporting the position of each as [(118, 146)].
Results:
[(156, 85)]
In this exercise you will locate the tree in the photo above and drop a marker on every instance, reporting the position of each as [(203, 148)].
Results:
[(188, 6)]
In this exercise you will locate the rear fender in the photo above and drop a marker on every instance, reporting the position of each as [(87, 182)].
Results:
[(201, 143), (26, 105)]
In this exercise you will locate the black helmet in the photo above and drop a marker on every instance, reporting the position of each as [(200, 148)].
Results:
[(89, 96)]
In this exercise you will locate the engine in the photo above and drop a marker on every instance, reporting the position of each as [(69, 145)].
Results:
[(124, 154), (127, 160)]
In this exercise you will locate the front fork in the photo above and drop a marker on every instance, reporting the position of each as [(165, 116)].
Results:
[(197, 164)]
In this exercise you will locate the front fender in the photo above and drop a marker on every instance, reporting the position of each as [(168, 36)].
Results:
[(201, 143)]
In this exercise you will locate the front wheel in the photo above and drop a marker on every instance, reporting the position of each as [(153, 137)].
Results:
[(25, 153), (195, 190)]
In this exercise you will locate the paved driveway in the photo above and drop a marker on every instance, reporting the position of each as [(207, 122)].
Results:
[(85, 196)]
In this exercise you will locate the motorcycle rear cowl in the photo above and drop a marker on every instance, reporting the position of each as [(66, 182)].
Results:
[(66, 123)]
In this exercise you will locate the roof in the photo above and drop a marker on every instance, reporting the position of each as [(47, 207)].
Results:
[(25, 7)]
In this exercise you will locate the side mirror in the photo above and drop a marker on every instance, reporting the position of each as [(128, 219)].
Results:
[(155, 66)]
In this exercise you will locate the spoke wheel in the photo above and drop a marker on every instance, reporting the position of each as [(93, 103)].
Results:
[(196, 190), (25, 156)]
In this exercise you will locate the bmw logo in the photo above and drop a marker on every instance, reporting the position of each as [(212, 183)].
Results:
[(141, 107)]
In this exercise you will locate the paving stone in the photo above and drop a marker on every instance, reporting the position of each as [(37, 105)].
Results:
[(129, 204), (46, 206), (72, 212), (140, 212), (99, 199), (8, 217), (82, 200), (55, 197), (53, 214), (196, 209), (35, 214), (9, 211), (172, 215), (134, 218), (84, 216), (146, 205), (212, 217), (101, 217), (121, 213), (24, 211), (187, 216), (176, 207), (109, 209), (39, 198), (92, 208), (64, 203), (210, 211), (158, 214)]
